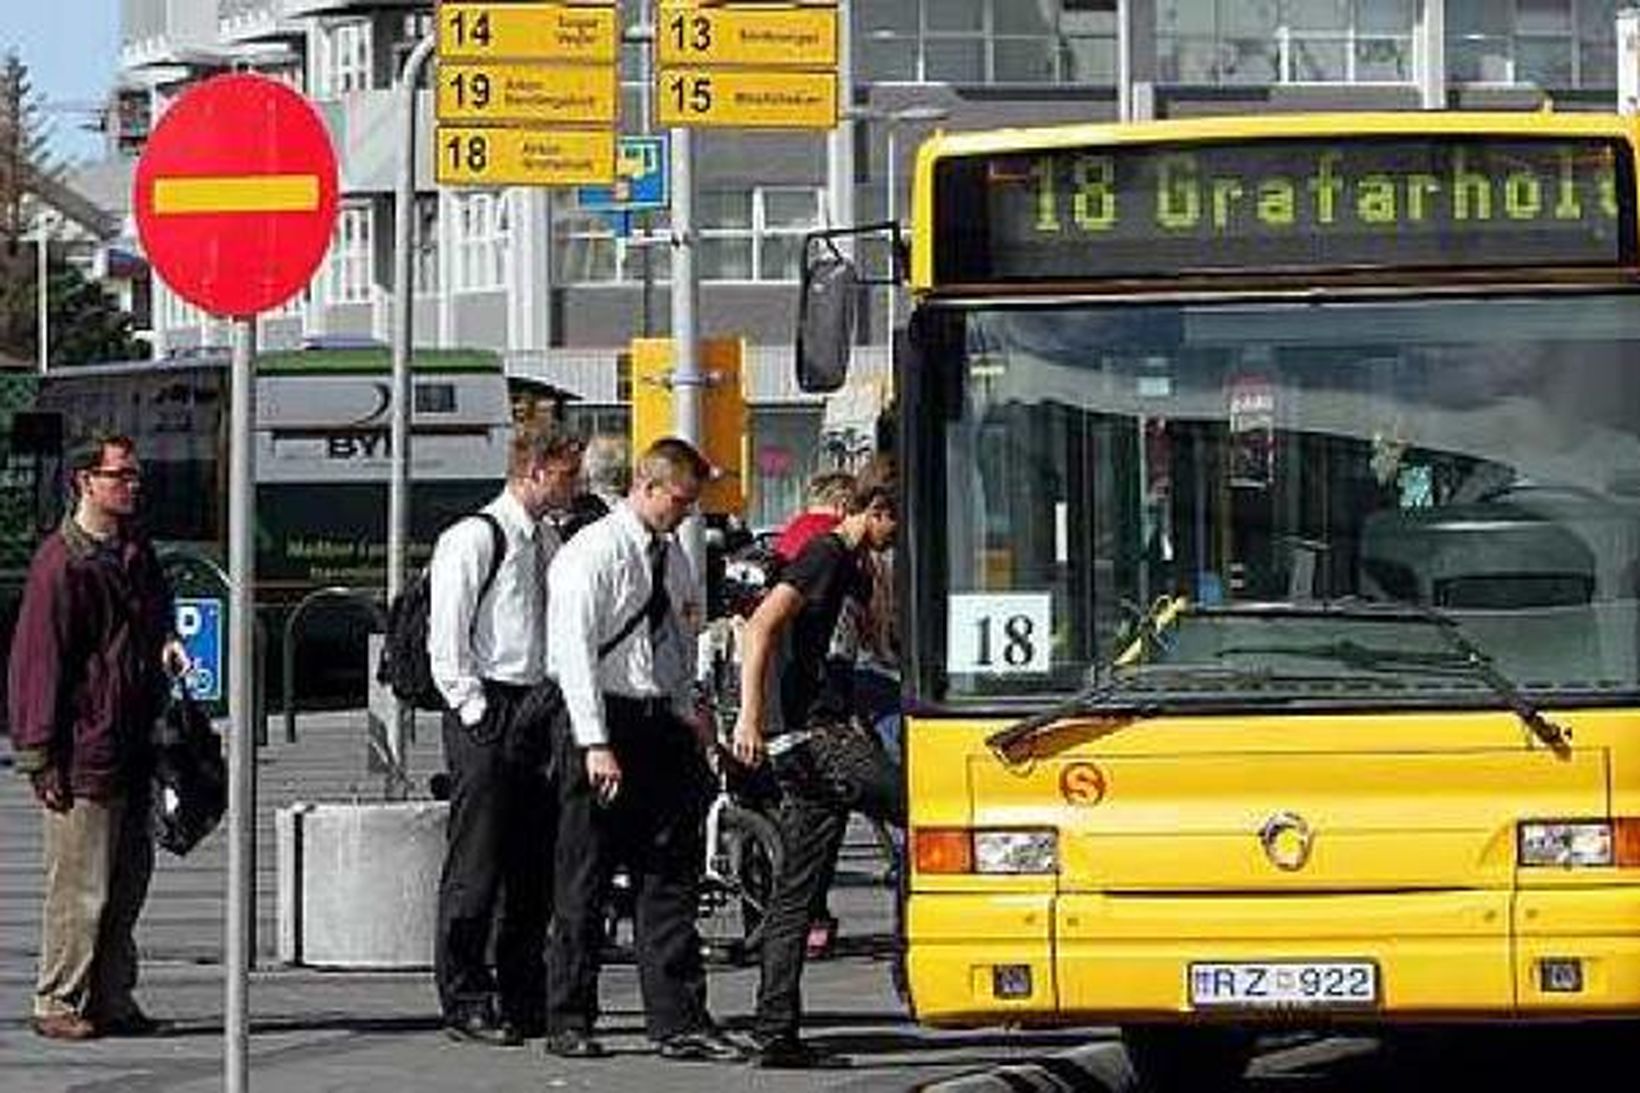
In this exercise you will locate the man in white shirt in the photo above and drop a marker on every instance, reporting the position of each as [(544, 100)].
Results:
[(622, 614), (486, 642)]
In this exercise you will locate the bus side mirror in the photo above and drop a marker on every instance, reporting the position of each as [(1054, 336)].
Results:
[(826, 315)]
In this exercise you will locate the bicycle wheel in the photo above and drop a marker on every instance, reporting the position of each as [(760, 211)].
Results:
[(732, 906)]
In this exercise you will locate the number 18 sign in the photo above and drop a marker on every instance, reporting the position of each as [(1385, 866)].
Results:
[(999, 633)]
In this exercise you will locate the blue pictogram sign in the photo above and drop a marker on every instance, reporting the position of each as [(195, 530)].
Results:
[(642, 179), (199, 625)]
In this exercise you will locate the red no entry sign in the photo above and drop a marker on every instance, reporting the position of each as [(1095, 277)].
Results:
[(236, 194)]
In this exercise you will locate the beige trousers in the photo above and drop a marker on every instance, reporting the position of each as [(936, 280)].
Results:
[(99, 856)]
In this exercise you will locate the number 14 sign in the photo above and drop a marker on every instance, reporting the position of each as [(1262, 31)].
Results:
[(999, 633)]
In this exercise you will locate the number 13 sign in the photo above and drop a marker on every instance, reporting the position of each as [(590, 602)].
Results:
[(999, 633)]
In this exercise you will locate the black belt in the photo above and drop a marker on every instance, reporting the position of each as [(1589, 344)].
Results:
[(648, 707)]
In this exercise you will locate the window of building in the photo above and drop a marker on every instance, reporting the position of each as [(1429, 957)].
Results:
[(351, 267), (482, 241), (411, 29), (591, 252), (984, 41), (756, 234), (744, 235), (1286, 41), (1546, 43), (344, 58)]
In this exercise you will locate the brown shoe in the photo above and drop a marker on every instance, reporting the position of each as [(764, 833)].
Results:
[(64, 1026)]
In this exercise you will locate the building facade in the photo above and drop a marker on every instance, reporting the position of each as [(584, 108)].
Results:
[(560, 292)]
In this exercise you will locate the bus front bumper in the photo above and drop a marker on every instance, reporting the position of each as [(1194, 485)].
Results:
[(1508, 955)]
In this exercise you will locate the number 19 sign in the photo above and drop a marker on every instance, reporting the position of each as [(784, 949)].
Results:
[(999, 633), (527, 93)]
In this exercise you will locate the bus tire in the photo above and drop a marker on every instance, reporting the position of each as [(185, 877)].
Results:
[(1174, 1058)]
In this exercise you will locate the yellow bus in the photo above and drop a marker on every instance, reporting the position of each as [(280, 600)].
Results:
[(1270, 557)]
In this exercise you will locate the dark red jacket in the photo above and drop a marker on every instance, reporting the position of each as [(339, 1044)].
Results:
[(86, 681)]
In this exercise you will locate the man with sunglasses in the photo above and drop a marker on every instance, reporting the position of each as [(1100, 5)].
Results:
[(621, 644), (88, 677)]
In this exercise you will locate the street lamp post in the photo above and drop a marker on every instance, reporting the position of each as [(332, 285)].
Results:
[(892, 120), (42, 290)]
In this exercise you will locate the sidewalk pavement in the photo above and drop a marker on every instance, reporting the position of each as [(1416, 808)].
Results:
[(354, 1032), (317, 1031)]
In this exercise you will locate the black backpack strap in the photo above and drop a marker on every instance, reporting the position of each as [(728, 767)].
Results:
[(656, 592), (625, 631), (498, 551)]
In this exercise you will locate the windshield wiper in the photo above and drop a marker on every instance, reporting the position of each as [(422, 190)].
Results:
[(1466, 656), (1551, 733), (1111, 701)]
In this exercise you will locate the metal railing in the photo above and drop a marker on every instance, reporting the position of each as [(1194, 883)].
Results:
[(370, 599)]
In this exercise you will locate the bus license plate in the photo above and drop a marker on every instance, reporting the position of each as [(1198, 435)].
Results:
[(1284, 984)]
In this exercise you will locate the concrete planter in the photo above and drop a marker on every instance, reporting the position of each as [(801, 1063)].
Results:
[(358, 883)]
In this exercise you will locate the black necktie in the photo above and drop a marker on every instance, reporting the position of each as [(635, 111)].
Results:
[(659, 603)]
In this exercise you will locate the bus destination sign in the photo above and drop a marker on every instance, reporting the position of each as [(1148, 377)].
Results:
[(1281, 207)]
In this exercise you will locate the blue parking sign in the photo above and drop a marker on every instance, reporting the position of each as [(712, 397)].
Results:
[(199, 625)]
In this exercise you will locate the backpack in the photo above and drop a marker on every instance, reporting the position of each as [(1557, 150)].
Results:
[(405, 667)]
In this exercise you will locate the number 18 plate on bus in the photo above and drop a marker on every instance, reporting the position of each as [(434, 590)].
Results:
[(1284, 984)]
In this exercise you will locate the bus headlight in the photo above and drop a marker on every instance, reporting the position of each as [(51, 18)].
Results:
[(1016, 851), (998, 851), (1565, 843)]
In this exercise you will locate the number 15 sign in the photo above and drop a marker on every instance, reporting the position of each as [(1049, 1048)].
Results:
[(999, 633)]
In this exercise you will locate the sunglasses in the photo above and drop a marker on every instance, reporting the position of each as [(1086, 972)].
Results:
[(124, 474)]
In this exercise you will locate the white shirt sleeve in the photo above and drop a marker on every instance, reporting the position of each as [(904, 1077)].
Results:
[(576, 585), (456, 572)]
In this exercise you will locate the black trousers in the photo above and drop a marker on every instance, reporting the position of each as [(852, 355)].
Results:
[(843, 769), (503, 817), (654, 828)]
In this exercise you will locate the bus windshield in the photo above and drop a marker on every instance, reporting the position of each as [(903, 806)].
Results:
[(1478, 454)]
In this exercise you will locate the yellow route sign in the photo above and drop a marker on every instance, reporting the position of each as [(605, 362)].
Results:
[(581, 32), (747, 98), (772, 37), (530, 93), (469, 156)]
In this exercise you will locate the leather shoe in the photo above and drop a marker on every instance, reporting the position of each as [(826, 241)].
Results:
[(475, 1028), (133, 1024), (64, 1026), (706, 1045), (790, 1053), (572, 1043)]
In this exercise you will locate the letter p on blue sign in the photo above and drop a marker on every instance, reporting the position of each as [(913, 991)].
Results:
[(199, 625)]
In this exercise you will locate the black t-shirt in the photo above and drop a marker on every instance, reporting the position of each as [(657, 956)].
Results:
[(826, 573)]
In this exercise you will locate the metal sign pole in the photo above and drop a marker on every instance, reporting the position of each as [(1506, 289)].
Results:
[(241, 705), (42, 287), (687, 379), (398, 490)]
